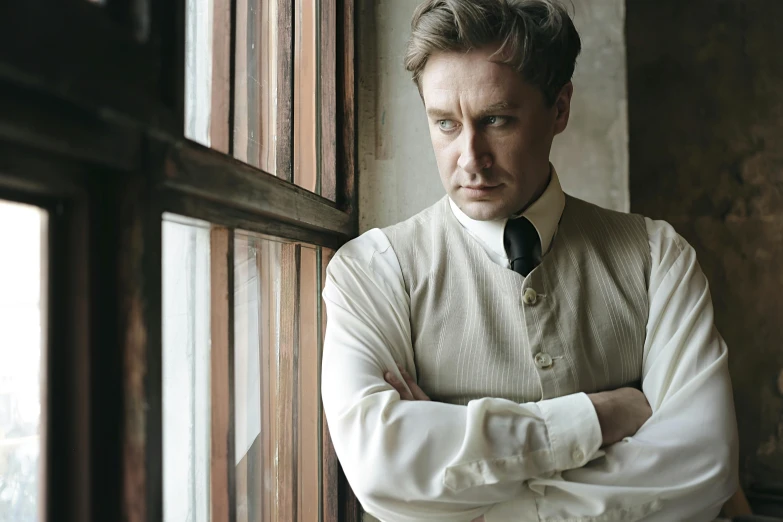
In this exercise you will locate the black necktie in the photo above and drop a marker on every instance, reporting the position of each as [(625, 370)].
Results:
[(519, 239)]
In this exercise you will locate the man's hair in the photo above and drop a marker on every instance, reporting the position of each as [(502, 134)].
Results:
[(536, 37)]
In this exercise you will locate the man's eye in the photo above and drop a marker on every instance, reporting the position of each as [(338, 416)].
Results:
[(446, 125), (495, 121)]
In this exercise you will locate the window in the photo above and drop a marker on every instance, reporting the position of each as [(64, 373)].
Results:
[(194, 165), (278, 112)]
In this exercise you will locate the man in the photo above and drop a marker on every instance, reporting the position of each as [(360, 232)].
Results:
[(569, 351)]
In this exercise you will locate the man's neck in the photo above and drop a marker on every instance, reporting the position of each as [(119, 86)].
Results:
[(537, 194)]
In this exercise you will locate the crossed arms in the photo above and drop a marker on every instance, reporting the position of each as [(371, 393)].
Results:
[(420, 460)]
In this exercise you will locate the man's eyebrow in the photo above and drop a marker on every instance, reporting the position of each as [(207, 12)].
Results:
[(438, 114), (498, 107), (441, 114)]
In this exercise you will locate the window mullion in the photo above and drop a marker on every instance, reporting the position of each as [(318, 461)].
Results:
[(223, 471), (285, 91)]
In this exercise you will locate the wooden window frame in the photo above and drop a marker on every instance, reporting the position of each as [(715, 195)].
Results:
[(92, 131)]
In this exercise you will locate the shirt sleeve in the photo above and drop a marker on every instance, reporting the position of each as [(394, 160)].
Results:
[(682, 463), (416, 460)]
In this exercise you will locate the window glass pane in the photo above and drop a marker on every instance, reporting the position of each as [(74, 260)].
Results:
[(186, 370), (22, 274), (255, 88), (198, 70), (256, 316), (276, 355), (207, 72)]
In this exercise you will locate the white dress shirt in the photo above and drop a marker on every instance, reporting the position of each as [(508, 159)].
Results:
[(399, 455)]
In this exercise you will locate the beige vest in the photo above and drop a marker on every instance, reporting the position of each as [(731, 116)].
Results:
[(576, 323)]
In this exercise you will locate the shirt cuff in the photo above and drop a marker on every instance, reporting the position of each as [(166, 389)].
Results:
[(574, 431)]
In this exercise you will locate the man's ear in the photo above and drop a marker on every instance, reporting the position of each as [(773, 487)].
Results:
[(563, 107)]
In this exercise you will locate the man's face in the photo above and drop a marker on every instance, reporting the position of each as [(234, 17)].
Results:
[(491, 131)]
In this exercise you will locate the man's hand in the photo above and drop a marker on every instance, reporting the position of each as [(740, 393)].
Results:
[(620, 412), (415, 393)]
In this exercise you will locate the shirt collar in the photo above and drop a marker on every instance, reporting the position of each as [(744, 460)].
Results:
[(544, 213)]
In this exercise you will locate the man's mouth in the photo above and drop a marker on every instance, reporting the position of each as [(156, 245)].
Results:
[(479, 190)]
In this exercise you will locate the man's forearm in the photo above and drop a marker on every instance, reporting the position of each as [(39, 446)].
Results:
[(679, 466), (620, 412), (430, 461)]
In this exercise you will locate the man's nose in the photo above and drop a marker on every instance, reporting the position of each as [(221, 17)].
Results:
[(474, 156)]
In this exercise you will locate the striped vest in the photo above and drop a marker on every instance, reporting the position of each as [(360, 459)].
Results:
[(576, 323)]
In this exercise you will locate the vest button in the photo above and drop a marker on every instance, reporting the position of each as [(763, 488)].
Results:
[(543, 360), (529, 297)]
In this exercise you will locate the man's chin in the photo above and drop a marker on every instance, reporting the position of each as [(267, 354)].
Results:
[(483, 210)]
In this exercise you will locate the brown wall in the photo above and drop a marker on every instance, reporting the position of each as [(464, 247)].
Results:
[(705, 86)]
